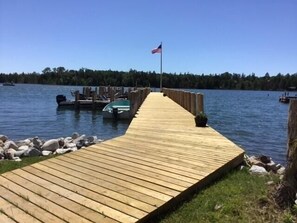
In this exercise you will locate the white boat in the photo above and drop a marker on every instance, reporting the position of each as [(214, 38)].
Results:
[(119, 109)]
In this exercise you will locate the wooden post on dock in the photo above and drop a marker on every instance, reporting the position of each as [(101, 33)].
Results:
[(193, 103), (109, 91), (101, 90), (286, 193), (94, 96), (189, 101), (180, 97), (111, 94), (184, 100), (199, 103), (76, 102), (132, 103)]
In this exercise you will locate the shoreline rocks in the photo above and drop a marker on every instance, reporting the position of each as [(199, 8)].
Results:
[(14, 150), (263, 165)]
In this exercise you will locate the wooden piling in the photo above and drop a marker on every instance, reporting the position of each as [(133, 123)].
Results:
[(101, 90), (76, 102), (199, 101), (193, 103), (94, 97)]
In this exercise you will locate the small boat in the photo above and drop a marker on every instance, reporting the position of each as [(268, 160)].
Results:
[(8, 84), (119, 109)]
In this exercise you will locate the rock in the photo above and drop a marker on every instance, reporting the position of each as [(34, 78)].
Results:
[(1, 143), (75, 135), (17, 159), (258, 170), (264, 159), (51, 145), (1, 153), (270, 182), (91, 140), (10, 144), (254, 161), (24, 147), (68, 140), (19, 153), (37, 142), (271, 167), (62, 151), (82, 137), (281, 170), (80, 144), (70, 145), (32, 152), (46, 153), (3, 138), (61, 142), (9, 153), (25, 142)]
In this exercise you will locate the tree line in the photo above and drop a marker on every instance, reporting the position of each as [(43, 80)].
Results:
[(88, 77)]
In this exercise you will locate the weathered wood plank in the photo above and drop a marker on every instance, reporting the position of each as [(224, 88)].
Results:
[(5, 219), (144, 169), (16, 213), (154, 184), (44, 203), (106, 192), (140, 158), (28, 207), (131, 183), (86, 197), (41, 188)]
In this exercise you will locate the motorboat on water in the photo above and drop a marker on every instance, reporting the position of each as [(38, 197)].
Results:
[(119, 109)]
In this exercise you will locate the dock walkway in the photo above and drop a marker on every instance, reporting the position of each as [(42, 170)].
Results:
[(162, 159)]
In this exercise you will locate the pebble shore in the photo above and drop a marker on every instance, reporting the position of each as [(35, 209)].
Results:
[(15, 150)]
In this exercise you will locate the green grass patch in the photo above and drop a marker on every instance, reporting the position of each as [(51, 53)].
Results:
[(8, 165), (238, 197)]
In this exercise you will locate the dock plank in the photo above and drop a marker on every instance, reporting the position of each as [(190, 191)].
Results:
[(13, 212), (160, 160), (4, 218)]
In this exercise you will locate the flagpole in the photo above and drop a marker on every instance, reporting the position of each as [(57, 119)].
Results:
[(161, 68)]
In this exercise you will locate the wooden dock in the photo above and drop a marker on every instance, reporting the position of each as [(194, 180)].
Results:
[(161, 160)]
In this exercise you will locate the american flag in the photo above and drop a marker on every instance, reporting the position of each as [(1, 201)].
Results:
[(157, 50)]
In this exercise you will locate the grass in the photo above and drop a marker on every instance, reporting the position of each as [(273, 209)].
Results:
[(8, 165), (238, 197)]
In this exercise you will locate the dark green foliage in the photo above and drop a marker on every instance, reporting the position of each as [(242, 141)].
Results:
[(88, 77)]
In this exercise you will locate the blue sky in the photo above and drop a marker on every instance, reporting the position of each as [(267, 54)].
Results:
[(198, 36)]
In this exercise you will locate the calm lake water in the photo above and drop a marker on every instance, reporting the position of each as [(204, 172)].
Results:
[(254, 120)]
